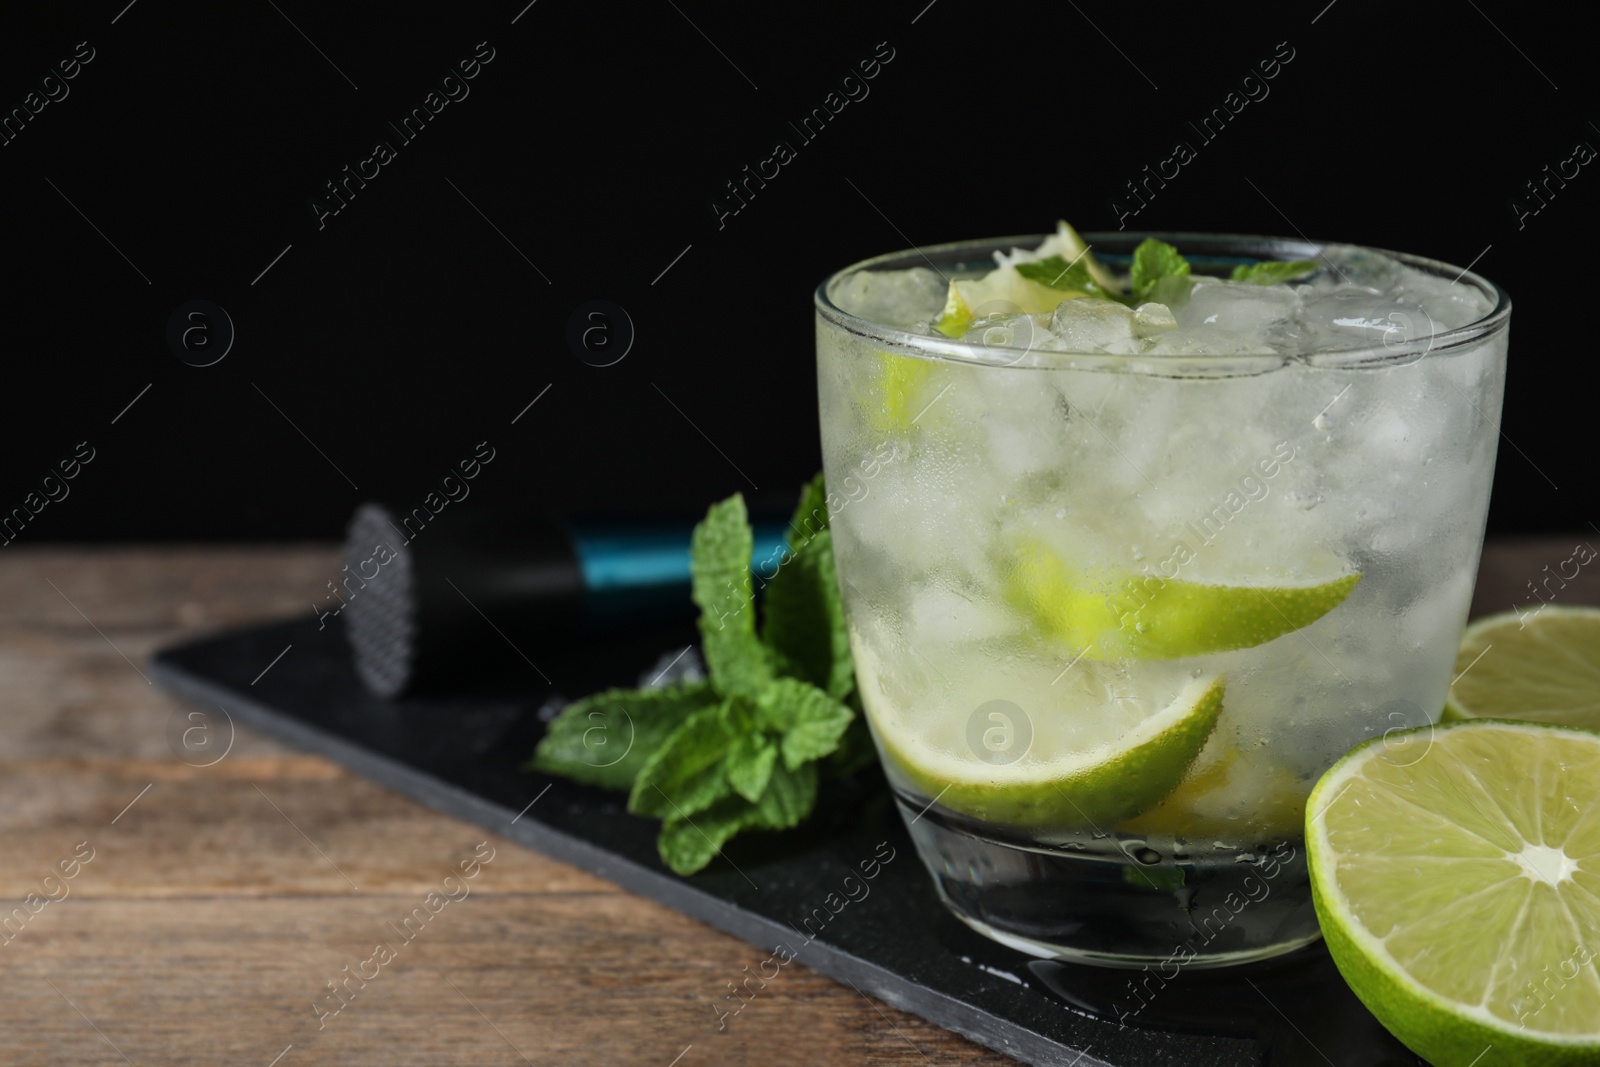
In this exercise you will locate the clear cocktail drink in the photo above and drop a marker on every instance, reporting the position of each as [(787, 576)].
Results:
[(1123, 582)]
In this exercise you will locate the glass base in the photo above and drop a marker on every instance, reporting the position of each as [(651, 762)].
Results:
[(1115, 900)]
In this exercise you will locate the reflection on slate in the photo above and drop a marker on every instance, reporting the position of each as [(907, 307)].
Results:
[(463, 755)]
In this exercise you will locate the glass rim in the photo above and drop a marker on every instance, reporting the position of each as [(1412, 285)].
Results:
[(945, 349)]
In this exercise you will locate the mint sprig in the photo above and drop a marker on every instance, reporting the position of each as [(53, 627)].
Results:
[(1272, 271), (1159, 274), (742, 751)]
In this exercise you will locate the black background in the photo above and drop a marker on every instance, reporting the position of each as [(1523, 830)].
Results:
[(414, 324)]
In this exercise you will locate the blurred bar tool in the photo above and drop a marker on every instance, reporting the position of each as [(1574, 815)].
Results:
[(416, 601)]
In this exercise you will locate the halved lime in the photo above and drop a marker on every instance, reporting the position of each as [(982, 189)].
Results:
[(1537, 666), (1120, 616), (1054, 785), (1456, 873)]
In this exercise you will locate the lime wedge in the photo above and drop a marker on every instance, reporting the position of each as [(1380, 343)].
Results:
[(1000, 292), (1005, 291), (1070, 247), (895, 393), (1541, 666), (956, 315), (1054, 785), (1455, 871), (1148, 617)]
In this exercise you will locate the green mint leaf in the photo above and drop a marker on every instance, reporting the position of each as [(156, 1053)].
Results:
[(605, 739), (720, 561), (687, 773), (1153, 262), (811, 513), (687, 844), (1057, 272), (749, 765), (789, 797), (1272, 271), (810, 720), (805, 627), (1074, 277)]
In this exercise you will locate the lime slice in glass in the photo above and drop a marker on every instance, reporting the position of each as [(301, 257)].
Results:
[(1052, 783), (893, 398), (1456, 874), (1540, 666), (1148, 617)]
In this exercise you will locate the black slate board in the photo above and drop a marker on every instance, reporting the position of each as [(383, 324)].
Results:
[(462, 756)]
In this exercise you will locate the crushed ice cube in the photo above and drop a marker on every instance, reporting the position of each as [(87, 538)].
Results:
[(1242, 307), (1350, 316), (942, 618), (1364, 267), (1010, 330), (1206, 340), (1436, 304), (1089, 324), (1151, 319), (1450, 304), (892, 297)]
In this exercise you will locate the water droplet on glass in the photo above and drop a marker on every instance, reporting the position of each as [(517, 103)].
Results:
[(1320, 422), (1147, 855), (1304, 499)]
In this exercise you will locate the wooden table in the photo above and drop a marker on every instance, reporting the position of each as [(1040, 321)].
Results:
[(220, 902)]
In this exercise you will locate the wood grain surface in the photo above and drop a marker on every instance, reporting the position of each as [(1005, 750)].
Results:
[(219, 903)]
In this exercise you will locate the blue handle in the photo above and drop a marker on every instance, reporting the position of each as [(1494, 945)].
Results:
[(614, 559)]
